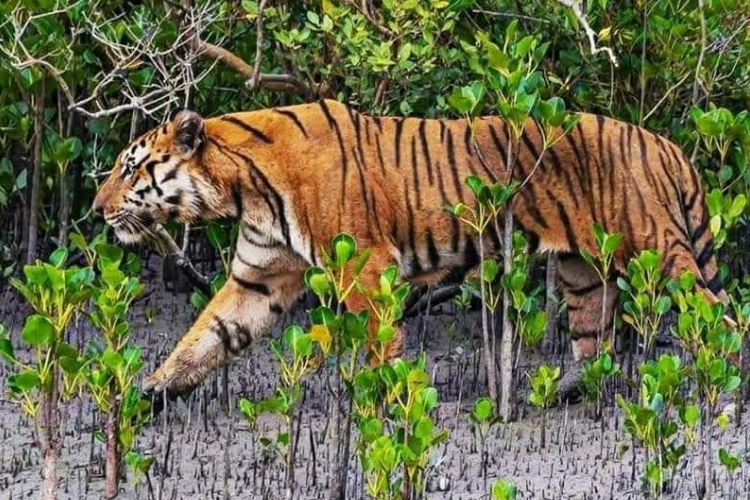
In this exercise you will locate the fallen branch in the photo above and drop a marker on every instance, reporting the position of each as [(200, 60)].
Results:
[(576, 7), (167, 247), (430, 299)]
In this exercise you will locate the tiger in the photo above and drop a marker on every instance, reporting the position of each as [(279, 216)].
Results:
[(296, 176)]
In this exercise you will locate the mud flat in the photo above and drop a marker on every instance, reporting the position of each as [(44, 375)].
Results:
[(204, 452)]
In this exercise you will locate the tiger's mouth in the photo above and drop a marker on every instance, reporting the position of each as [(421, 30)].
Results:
[(131, 227)]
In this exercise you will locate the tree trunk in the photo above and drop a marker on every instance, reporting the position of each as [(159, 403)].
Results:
[(506, 347), (36, 175), (111, 466)]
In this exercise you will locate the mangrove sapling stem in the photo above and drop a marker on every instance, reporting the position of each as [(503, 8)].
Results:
[(488, 357), (290, 449), (506, 346), (111, 465), (49, 437)]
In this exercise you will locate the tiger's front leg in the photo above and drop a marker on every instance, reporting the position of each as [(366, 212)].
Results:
[(245, 308)]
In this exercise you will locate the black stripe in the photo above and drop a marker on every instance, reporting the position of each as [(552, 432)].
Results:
[(397, 140), (262, 244), (253, 286), (294, 118), (715, 284), (150, 169), (312, 241), (223, 333), (380, 154), (569, 233), (700, 230), (706, 254), (243, 333), (174, 199), (498, 144), (415, 171), (471, 257), (453, 167), (363, 191), (342, 149), (249, 264), (531, 206), (237, 197), (172, 174), (354, 116), (411, 222), (275, 308), (432, 251), (249, 128), (425, 149), (277, 197), (468, 140)]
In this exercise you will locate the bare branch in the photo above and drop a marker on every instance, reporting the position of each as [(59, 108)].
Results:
[(167, 247), (576, 7), (664, 97), (253, 83)]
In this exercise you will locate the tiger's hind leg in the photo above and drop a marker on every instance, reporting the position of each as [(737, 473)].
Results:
[(584, 295)]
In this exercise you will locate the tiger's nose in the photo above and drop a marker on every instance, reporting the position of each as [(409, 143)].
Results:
[(97, 208)]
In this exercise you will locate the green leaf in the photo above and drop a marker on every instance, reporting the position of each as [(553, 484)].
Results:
[(6, 350), (112, 360), (59, 257), (37, 331), (344, 248), (25, 381), (482, 409)]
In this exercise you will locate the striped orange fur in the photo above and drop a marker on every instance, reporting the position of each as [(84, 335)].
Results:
[(297, 176)]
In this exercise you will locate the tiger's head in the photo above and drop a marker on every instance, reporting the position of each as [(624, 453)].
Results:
[(155, 179)]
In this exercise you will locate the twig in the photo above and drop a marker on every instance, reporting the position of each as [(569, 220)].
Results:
[(370, 18), (575, 6), (702, 53), (664, 97), (510, 14)]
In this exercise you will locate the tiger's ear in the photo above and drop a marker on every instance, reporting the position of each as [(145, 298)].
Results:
[(188, 135)]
